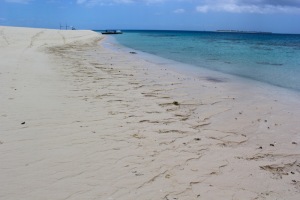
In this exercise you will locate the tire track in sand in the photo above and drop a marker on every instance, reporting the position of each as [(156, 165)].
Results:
[(63, 37), (4, 37), (34, 38)]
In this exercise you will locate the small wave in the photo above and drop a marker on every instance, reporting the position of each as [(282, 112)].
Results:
[(262, 48), (268, 63)]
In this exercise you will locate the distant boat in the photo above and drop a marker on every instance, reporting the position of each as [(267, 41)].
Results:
[(112, 32)]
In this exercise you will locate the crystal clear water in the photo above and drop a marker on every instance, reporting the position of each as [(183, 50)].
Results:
[(269, 58)]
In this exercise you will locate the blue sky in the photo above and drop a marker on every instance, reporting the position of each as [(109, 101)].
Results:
[(281, 16)]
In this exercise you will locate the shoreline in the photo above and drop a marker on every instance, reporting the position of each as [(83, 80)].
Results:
[(196, 72), (101, 124), (264, 64)]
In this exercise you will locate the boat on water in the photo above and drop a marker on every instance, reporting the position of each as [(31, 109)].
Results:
[(112, 32)]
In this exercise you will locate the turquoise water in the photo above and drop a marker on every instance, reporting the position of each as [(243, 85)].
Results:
[(270, 58)]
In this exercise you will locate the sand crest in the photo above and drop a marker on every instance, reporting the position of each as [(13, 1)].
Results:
[(80, 121)]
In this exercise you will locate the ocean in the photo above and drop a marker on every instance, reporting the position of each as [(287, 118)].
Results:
[(268, 58)]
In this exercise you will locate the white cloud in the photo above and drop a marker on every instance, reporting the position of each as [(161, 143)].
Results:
[(250, 6), (204, 6), (81, 1), (203, 9), (179, 11), (18, 1), (110, 2)]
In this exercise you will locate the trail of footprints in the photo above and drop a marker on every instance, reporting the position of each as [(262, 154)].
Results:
[(158, 121)]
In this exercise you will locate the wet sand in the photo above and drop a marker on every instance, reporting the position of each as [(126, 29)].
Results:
[(82, 121)]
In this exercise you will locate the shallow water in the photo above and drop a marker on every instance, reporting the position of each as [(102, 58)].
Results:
[(269, 58)]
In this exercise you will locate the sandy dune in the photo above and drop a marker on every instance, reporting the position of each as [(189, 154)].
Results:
[(80, 121)]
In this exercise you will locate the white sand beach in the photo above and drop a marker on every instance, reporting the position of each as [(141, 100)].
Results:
[(81, 121)]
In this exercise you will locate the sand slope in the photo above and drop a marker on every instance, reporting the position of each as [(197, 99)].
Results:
[(101, 124)]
